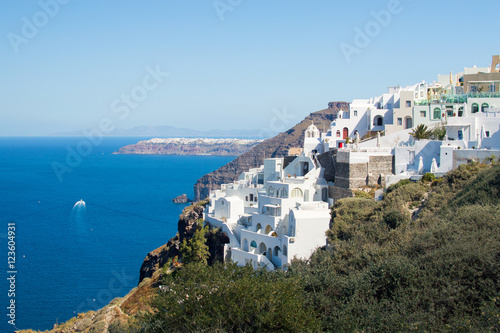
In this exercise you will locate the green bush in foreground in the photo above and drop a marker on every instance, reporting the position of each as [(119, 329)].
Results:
[(228, 298)]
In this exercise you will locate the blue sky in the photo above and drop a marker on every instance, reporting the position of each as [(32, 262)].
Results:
[(231, 67)]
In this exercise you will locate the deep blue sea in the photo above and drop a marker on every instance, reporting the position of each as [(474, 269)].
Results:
[(75, 259)]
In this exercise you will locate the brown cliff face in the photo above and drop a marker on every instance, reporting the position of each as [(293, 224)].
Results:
[(186, 227), (274, 147), (188, 221)]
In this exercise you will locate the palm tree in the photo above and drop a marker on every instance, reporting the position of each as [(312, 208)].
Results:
[(421, 132)]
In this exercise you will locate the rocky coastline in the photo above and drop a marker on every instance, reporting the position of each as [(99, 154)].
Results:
[(190, 146)]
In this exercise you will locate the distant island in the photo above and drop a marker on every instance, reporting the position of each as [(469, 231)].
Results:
[(190, 146)]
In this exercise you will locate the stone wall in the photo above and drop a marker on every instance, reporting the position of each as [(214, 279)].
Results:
[(337, 193), (327, 161), (378, 168), (373, 172)]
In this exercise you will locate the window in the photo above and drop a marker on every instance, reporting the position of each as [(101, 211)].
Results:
[(270, 191), (408, 104), (484, 106), (400, 121), (355, 113), (411, 157), (324, 194), (487, 134), (460, 135), (461, 111), (437, 113), (422, 114), (297, 193), (338, 134), (449, 113), (475, 108)]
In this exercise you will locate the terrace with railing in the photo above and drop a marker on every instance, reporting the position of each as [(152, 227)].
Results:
[(457, 99)]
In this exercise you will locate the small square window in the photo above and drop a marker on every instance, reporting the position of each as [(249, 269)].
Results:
[(400, 121), (422, 114), (408, 104)]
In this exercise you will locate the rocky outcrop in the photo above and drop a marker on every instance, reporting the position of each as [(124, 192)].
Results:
[(181, 199), (275, 147), (186, 226), (190, 146)]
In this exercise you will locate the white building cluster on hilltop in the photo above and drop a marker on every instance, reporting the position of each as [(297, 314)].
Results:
[(202, 141), (281, 210)]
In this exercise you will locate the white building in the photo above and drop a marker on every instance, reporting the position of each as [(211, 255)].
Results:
[(280, 211), (274, 213), (389, 112)]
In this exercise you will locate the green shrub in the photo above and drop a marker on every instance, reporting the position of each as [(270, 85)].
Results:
[(428, 177), (402, 182), (394, 219), (229, 298), (363, 194)]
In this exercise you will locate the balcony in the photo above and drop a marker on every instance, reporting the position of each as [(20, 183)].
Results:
[(457, 99)]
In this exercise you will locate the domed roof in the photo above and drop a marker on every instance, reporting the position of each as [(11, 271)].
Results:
[(312, 127)]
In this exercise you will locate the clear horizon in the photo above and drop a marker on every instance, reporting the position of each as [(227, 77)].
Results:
[(223, 64)]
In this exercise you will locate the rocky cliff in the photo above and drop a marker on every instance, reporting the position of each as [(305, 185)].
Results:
[(274, 147), (190, 146)]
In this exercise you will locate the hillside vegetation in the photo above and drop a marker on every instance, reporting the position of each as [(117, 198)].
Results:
[(425, 259)]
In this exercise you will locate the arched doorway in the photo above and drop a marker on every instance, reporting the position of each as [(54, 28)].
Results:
[(268, 229), (345, 133), (408, 122), (475, 108), (262, 248)]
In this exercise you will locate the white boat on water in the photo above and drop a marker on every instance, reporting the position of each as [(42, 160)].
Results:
[(80, 203)]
